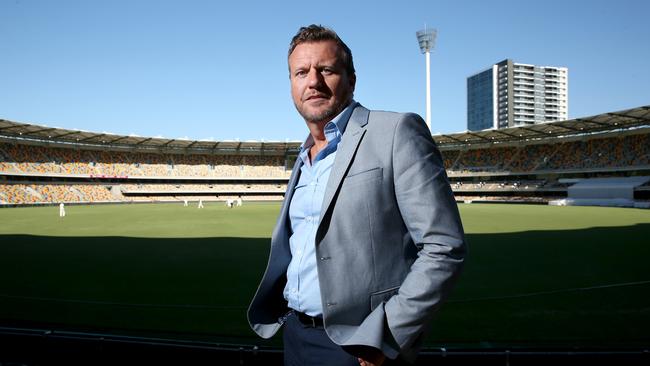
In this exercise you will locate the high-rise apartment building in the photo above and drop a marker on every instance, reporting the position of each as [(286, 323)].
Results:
[(510, 94)]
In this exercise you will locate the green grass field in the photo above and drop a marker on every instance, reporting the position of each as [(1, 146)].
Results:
[(535, 276)]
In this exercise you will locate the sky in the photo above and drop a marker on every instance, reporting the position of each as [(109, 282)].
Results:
[(218, 70)]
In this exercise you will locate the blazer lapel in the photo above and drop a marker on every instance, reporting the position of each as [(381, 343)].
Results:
[(284, 210), (346, 150)]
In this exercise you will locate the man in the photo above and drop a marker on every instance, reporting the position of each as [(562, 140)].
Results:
[(369, 240), (61, 210)]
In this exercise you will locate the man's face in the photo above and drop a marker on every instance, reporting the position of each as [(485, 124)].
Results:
[(320, 85)]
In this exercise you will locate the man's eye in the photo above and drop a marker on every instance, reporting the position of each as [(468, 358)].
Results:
[(327, 71), (300, 73)]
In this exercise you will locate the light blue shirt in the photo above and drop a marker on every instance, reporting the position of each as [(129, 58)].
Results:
[(302, 290)]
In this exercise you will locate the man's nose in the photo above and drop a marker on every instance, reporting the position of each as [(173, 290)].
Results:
[(315, 78)]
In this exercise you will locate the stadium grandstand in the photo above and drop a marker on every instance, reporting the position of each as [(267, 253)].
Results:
[(538, 163)]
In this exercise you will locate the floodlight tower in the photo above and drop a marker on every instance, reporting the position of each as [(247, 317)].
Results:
[(427, 39)]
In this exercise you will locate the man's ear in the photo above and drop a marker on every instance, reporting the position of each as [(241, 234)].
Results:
[(353, 81)]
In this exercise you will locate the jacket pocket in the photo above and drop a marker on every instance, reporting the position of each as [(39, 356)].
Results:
[(366, 175), (378, 297)]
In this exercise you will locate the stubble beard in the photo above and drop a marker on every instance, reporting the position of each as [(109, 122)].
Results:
[(322, 116), (325, 115)]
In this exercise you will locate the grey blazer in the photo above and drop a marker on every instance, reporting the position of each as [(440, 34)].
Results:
[(390, 242)]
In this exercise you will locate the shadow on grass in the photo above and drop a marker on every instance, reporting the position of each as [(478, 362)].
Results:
[(536, 288), (198, 286)]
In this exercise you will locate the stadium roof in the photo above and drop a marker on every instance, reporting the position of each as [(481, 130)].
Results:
[(606, 122), (23, 131)]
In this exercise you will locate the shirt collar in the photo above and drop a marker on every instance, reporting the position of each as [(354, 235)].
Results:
[(334, 128)]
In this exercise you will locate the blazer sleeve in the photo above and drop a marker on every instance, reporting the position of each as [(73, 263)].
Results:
[(430, 214)]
